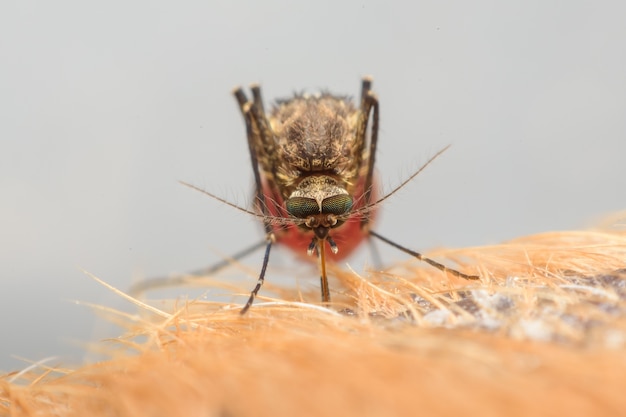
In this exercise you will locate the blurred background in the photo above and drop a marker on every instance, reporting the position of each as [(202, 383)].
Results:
[(103, 108)]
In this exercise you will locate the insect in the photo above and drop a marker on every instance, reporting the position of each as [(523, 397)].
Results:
[(313, 160)]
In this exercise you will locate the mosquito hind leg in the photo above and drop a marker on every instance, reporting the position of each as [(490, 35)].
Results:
[(180, 280), (423, 258)]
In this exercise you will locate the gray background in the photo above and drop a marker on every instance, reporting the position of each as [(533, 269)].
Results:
[(104, 107)]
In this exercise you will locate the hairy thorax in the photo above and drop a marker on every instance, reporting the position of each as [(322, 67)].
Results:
[(315, 135)]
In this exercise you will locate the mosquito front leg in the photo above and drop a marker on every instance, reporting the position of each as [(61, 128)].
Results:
[(256, 127), (259, 283)]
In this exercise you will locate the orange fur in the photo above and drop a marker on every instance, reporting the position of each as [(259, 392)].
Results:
[(543, 333)]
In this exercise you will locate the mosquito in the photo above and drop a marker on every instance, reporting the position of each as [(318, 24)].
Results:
[(313, 162)]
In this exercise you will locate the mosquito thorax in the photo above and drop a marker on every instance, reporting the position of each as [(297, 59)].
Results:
[(321, 202)]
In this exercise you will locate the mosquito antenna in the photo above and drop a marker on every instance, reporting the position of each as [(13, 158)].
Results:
[(278, 207), (271, 219), (371, 206)]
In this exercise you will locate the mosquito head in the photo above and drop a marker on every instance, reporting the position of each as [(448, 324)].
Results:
[(321, 203)]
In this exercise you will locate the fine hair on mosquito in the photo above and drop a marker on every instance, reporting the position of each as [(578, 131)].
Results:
[(313, 160)]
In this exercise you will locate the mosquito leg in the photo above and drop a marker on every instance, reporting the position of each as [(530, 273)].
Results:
[(421, 257), (224, 263), (373, 100), (375, 254), (245, 106), (240, 96), (164, 282), (369, 104), (258, 134), (258, 99), (261, 279)]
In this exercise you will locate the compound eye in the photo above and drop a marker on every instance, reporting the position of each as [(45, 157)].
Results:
[(338, 204), (302, 207)]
